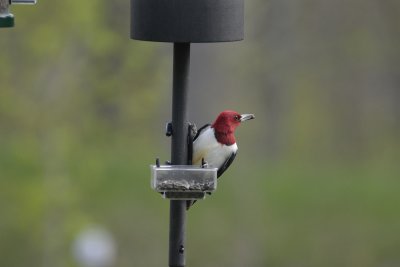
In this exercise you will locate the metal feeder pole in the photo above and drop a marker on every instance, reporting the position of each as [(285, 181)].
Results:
[(179, 148), (183, 22)]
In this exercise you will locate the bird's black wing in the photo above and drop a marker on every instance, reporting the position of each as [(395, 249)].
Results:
[(192, 136), (220, 171), (192, 131), (200, 130), (226, 165)]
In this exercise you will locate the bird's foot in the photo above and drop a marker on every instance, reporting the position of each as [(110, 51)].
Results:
[(204, 163), (192, 130)]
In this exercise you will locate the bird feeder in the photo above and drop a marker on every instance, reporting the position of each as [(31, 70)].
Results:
[(6, 18), (183, 22), (183, 182)]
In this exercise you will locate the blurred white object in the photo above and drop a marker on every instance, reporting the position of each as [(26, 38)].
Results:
[(94, 247)]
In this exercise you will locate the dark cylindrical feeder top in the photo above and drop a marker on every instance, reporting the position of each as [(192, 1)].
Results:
[(187, 21)]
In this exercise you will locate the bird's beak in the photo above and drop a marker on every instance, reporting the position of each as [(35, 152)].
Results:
[(246, 117)]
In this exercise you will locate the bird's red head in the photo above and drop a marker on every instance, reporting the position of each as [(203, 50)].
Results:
[(226, 123)]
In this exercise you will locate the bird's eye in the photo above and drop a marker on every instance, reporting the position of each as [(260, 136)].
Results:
[(237, 118)]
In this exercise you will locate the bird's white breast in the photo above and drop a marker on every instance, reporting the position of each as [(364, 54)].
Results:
[(214, 153)]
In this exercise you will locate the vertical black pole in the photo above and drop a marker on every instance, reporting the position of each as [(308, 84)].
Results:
[(177, 228)]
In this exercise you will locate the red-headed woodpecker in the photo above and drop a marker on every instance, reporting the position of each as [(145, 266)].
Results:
[(216, 143)]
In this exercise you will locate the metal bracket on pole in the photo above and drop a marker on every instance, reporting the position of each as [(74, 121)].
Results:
[(6, 18)]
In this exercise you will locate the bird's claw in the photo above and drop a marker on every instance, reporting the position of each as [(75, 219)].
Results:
[(204, 163), (192, 129)]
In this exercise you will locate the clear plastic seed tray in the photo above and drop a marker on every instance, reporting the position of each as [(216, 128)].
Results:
[(183, 181)]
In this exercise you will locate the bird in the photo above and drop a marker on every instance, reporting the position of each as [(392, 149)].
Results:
[(215, 143)]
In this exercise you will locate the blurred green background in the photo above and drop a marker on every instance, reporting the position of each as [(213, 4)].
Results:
[(317, 178)]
